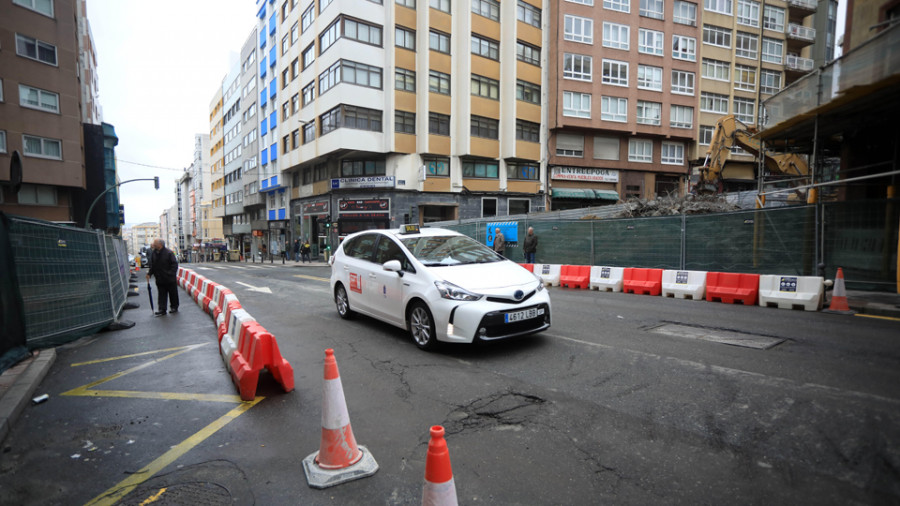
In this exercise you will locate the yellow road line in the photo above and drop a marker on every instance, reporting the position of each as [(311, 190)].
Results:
[(168, 396), (891, 318), (111, 359), (125, 486), (155, 497), (78, 391), (314, 278)]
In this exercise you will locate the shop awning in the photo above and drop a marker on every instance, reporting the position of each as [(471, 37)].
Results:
[(584, 193)]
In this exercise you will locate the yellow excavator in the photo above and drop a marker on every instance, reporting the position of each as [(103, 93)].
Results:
[(729, 133)]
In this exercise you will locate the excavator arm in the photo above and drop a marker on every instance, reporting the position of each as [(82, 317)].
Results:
[(730, 133)]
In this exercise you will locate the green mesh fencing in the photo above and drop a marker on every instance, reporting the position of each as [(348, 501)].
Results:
[(860, 237), (70, 280)]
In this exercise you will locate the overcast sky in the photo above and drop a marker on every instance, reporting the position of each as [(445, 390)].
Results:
[(159, 64)]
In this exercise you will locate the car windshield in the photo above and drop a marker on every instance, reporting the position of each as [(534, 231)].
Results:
[(449, 250)]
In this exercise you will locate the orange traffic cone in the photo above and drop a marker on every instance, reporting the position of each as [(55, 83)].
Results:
[(339, 459), (838, 303), (439, 488)]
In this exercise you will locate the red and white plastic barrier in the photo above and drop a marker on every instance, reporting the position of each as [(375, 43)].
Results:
[(607, 279), (684, 284), (790, 292), (549, 273)]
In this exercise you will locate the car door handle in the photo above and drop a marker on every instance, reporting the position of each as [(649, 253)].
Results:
[(372, 276)]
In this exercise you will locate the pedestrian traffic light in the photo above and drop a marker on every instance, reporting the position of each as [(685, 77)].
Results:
[(328, 221), (156, 182)]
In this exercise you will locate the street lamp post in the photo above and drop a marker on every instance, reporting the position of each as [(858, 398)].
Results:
[(87, 218)]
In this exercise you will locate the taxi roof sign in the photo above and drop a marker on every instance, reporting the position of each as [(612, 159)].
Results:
[(409, 229)]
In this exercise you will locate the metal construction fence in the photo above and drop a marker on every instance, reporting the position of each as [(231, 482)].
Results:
[(70, 282), (860, 237)]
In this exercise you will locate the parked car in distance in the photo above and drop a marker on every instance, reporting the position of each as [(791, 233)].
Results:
[(438, 284)]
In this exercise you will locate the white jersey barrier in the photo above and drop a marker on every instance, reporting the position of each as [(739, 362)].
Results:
[(606, 279), (791, 292), (549, 273), (684, 284)]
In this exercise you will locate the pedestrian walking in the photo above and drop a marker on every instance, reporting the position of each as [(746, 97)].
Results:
[(530, 245), (296, 250), (499, 242), (164, 267), (305, 250)]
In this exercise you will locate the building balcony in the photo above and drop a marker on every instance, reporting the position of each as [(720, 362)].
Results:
[(240, 228), (255, 199), (799, 36), (802, 7), (798, 63)]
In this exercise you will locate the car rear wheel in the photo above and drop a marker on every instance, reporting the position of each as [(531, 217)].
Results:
[(421, 326), (342, 302)]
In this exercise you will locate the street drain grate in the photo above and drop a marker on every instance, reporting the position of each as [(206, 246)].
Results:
[(718, 336)]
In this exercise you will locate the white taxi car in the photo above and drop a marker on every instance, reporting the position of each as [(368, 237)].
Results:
[(438, 284)]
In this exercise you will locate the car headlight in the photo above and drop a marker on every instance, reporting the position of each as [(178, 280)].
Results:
[(450, 291), (540, 283)]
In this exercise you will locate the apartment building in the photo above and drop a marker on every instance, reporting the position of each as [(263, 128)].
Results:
[(376, 114), (41, 110), (216, 196), (233, 190), (193, 192), (622, 99), (246, 236)]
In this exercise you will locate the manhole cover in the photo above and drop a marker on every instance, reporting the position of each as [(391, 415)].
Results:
[(718, 336)]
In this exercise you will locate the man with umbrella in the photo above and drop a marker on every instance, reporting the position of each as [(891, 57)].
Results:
[(164, 266)]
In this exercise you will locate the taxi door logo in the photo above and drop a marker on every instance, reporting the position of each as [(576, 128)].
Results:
[(355, 282)]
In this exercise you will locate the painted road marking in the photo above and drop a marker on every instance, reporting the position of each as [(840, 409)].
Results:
[(314, 278), (127, 485), (890, 318)]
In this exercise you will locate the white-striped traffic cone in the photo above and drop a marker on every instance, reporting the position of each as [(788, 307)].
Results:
[(339, 459), (439, 489), (839, 303)]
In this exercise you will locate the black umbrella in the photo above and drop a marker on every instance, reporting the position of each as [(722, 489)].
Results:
[(150, 293)]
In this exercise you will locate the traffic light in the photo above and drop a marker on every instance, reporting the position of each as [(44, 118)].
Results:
[(328, 221), (156, 182)]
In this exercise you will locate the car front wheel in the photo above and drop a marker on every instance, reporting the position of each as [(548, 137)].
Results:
[(421, 326), (342, 302)]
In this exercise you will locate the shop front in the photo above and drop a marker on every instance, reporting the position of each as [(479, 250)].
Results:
[(578, 187)]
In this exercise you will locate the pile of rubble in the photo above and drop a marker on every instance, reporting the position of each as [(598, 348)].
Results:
[(670, 206)]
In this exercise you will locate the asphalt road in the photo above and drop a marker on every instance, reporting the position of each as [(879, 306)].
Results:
[(627, 399)]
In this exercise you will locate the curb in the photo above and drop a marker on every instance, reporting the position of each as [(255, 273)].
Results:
[(19, 393)]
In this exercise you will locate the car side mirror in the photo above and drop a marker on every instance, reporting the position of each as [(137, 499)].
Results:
[(393, 266)]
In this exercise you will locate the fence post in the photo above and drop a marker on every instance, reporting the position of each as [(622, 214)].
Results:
[(102, 240), (592, 243), (683, 241)]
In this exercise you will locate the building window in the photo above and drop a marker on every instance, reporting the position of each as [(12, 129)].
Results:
[(773, 18), (308, 16), (439, 82), (578, 29), (487, 8), (582, 2), (309, 93), (744, 110), (295, 139), (285, 78), (528, 92), (362, 32), (320, 172), (528, 53), (650, 41), (606, 148), (405, 38), (295, 103), (481, 168), (285, 111), (285, 144), (681, 116), (672, 153), (713, 102), (485, 87), (527, 13), (682, 82), (309, 55), (485, 47), (649, 78), (38, 195), (285, 44), (488, 207), (652, 9), (614, 109), (526, 171), (405, 122), (309, 132), (744, 78), (746, 45), (715, 69), (720, 6), (439, 41), (323, 4), (36, 98), (706, 135), (347, 116), (329, 36), (748, 13), (684, 48), (685, 13), (770, 81), (617, 5), (487, 128), (356, 168), (406, 3), (616, 36), (649, 113), (640, 150), (35, 49), (570, 145), (360, 74), (295, 68), (45, 7), (576, 104), (577, 66), (528, 131), (1, 90), (438, 124), (441, 5), (437, 167), (404, 80), (716, 36), (41, 147), (2, 141), (772, 50), (615, 72)]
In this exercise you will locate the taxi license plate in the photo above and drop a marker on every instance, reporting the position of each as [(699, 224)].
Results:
[(523, 315)]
